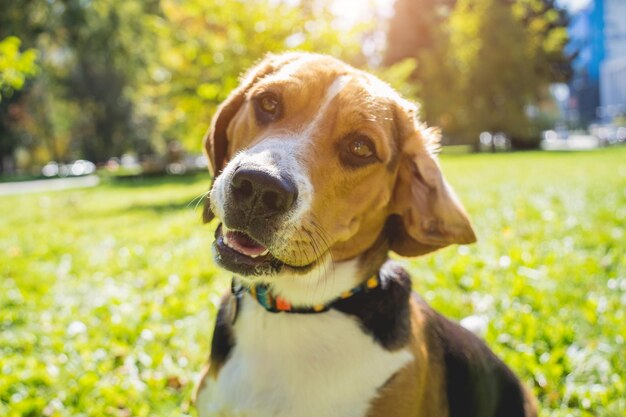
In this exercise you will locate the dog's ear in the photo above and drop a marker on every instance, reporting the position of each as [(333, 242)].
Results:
[(216, 139), (426, 214)]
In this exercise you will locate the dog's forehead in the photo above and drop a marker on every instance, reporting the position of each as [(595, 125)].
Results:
[(322, 69), (326, 101), (334, 78)]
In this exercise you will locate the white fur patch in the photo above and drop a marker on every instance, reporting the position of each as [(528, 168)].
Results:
[(297, 365), (318, 286), (286, 365), (273, 155), (333, 91), (281, 154)]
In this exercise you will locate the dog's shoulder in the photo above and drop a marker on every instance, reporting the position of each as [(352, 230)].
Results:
[(477, 382), (223, 333), (222, 342), (383, 312), (306, 351)]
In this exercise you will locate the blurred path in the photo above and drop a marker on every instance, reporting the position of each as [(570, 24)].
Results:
[(38, 186), (572, 143)]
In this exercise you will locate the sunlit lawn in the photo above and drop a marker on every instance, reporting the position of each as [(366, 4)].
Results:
[(107, 295)]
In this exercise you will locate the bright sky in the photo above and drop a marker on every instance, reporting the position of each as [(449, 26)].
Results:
[(574, 4), (353, 11), (350, 12)]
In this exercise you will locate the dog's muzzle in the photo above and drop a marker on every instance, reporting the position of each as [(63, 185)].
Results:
[(257, 203), (261, 195)]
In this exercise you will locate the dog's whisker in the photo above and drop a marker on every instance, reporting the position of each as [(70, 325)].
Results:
[(318, 255), (321, 247), (321, 233), (198, 199)]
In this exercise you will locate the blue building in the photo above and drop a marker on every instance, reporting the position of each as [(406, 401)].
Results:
[(613, 68), (598, 86)]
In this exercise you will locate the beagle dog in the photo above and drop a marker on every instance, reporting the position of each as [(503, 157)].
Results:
[(320, 170)]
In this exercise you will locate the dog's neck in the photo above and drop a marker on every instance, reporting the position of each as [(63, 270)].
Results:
[(320, 285), (329, 279)]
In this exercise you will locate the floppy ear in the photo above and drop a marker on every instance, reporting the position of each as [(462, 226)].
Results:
[(216, 138), (428, 215)]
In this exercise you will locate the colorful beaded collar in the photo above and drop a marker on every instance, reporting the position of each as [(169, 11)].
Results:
[(276, 304)]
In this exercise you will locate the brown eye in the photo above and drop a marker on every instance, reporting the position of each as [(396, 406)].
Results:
[(267, 108), (269, 104), (357, 150), (361, 148)]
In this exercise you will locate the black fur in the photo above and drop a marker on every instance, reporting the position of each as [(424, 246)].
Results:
[(223, 337), (384, 311), (478, 383)]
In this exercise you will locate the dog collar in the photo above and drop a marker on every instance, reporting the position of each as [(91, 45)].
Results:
[(276, 304)]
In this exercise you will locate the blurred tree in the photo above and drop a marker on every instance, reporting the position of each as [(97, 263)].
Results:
[(15, 68), (32, 22), (204, 46), (481, 64), (121, 75), (92, 54), (494, 66), (414, 27), (108, 50)]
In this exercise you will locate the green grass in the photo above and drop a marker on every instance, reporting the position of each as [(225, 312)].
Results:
[(107, 295)]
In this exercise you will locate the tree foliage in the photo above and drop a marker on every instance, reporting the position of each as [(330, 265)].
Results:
[(119, 76), (109, 48), (482, 64), (204, 46), (127, 76), (15, 66)]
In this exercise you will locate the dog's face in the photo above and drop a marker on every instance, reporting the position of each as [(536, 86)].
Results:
[(314, 163)]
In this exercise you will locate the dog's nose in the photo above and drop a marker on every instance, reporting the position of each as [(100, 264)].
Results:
[(265, 194)]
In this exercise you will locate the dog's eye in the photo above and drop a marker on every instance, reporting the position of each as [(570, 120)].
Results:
[(267, 107), (268, 104), (357, 150), (361, 147)]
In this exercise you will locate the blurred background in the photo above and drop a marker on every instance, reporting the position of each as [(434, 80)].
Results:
[(108, 290), (133, 85)]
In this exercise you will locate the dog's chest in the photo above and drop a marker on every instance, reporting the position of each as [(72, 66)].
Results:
[(298, 365)]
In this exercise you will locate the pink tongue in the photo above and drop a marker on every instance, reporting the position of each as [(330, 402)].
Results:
[(243, 243)]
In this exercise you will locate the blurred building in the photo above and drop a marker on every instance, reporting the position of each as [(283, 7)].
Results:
[(598, 37)]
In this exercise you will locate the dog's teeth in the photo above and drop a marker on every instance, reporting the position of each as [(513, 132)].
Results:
[(225, 235), (256, 255)]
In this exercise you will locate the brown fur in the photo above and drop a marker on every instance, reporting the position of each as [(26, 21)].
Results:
[(407, 183), (418, 389)]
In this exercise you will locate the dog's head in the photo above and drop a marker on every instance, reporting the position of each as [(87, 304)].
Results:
[(315, 162)]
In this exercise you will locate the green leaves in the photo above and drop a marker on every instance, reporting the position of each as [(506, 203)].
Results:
[(203, 47), (15, 66), (482, 63), (128, 77)]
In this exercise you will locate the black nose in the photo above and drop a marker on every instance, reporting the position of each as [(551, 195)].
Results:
[(262, 194)]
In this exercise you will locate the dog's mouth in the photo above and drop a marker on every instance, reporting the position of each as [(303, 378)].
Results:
[(243, 244), (240, 253)]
